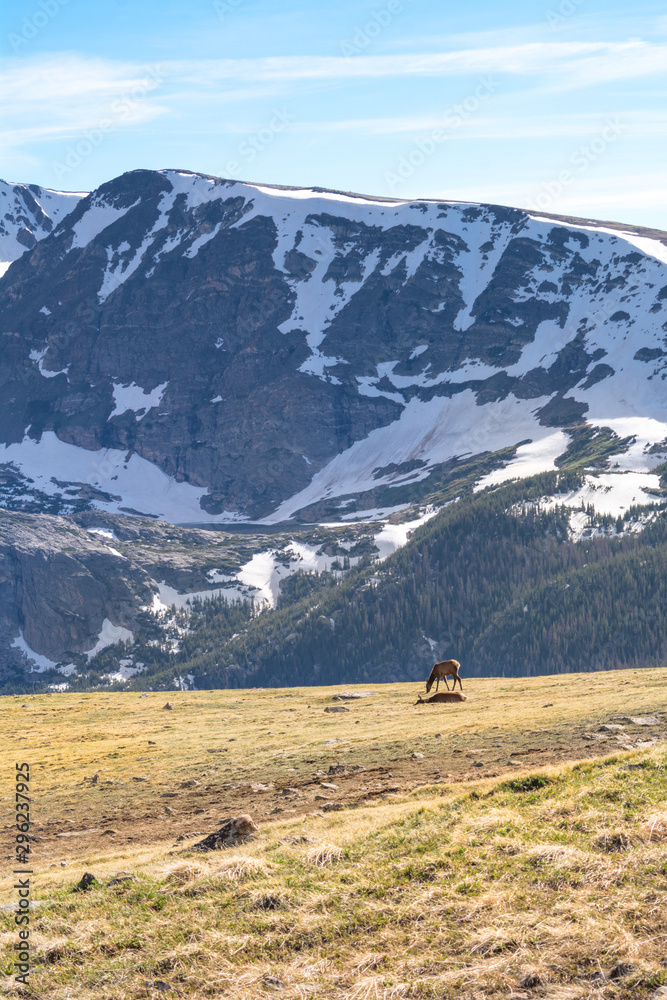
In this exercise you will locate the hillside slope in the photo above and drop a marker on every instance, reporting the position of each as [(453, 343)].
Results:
[(498, 580), (495, 581)]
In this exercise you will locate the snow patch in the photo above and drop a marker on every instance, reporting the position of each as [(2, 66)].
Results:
[(263, 573), (39, 662), (109, 635), (372, 514), (135, 483), (265, 570), (95, 220), (432, 432), (479, 266), (201, 241), (105, 532), (117, 273), (300, 194), (613, 492), (127, 669), (531, 459), (647, 432), (133, 397), (646, 244), (168, 596), (217, 576), (395, 536), (38, 356)]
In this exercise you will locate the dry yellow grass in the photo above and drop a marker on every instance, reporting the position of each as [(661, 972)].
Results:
[(473, 886)]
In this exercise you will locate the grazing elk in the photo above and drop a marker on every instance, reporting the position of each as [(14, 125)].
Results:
[(447, 696), (441, 671)]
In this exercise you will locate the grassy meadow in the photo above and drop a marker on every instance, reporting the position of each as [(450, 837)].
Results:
[(511, 846)]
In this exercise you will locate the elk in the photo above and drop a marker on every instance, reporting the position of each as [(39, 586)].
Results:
[(448, 696), (443, 670)]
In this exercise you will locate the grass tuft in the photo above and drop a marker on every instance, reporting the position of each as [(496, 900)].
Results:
[(325, 854), (531, 783), (654, 829), (238, 869)]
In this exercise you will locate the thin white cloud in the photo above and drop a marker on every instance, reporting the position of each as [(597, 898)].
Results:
[(582, 59), (546, 126), (69, 76), (49, 98), (62, 96), (66, 76)]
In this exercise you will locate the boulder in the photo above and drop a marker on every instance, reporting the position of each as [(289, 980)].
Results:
[(232, 831)]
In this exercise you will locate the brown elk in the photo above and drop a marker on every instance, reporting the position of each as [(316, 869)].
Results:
[(443, 670), (447, 696)]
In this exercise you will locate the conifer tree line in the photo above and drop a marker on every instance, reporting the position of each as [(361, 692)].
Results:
[(494, 580)]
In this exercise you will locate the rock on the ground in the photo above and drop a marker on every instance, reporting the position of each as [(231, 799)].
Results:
[(352, 695), (622, 969), (232, 831), (643, 720), (531, 980), (86, 882)]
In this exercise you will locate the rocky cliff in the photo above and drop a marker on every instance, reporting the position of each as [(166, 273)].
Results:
[(200, 349), (58, 585)]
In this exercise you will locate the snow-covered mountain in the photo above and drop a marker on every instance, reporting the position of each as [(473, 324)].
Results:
[(207, 350), (28, 213)]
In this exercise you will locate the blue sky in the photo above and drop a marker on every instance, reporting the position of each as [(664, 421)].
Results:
[(555, 105)]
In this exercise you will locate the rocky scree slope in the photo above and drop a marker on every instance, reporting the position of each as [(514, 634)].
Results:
[(207, 350)]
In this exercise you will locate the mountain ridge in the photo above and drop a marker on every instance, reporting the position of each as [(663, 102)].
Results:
[(379, 291), (27, 215)]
